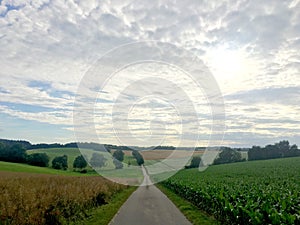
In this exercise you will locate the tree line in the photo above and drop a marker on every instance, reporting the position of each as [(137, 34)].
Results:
[(87, 145), (15, 151), (281, 149)]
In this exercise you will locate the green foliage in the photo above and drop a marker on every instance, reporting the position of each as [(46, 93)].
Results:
[(98, 160), (191, 212), (139, 158), (60, 162), (104, 214), (118, 164), (228, 155), (278, 150), (79, 162), (119, 155), (72, 153), (9, 143), (12, 153), (38, 159), (196, 160), (257, 192)]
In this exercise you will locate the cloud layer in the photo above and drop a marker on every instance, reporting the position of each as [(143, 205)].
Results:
[(251, 47)]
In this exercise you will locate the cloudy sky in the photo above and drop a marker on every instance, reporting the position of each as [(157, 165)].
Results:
[(251, 47)]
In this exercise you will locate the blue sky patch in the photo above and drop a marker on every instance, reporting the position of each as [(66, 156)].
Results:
[(10, 7), (32, 131), (43, 86), (26, 107)]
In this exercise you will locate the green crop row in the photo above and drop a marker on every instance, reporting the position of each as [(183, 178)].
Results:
[(264, 192)]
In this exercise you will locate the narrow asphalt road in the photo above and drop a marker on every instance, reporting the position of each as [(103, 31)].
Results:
[(148, 206)]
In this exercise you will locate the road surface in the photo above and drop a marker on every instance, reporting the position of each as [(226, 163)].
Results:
[(148, 206)]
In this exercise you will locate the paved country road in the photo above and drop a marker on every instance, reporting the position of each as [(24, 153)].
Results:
[(148, 206)]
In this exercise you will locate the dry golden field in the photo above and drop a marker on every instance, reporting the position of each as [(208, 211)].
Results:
[(162, 154), (50, 199)]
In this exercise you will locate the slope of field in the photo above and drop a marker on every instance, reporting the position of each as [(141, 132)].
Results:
[(128, 174), (72, 153), (18, 167), (256, 192)]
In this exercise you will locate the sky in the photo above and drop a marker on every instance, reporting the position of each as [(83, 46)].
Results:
[(250, 47)]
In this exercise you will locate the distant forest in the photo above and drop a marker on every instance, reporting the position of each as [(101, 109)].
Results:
[(88, 145), (15, 150)]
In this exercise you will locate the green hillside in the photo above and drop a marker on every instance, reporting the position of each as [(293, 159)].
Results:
[(72, 153), (24, 168)]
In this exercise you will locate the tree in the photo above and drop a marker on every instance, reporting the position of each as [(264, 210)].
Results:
[(139, 158), (228, 155), (277, 150), (194, 163), (119, 155), (255, 153), (12, 153), (79, 162), (98, 160), (118, 164), (60, 162), (294, 151), (38, 159)]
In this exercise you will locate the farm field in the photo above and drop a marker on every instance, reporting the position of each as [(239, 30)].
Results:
[(255, 192), (25, 168), (150, 157), (49, 199), (162, 154), (132, 175)]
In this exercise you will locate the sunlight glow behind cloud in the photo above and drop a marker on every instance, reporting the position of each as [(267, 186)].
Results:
[(251, 47)]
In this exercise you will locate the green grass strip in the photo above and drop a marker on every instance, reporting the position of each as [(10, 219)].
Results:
[(104, 214), (191, 212)]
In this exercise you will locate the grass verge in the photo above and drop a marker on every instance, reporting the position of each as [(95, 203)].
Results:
[(191, 212), (104, 214)]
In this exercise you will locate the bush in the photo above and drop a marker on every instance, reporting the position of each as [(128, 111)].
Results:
[(194, 163), (139, 158), (38, 159), (83, 171), (60, 162), (98, 160), (119, 155), (79, 162), (228, 155), (118, 164)]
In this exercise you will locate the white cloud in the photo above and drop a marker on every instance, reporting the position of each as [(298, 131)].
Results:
[(248, 45)]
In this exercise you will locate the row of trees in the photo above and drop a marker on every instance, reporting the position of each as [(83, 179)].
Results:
[(277, 150), (139, 158), (16, 153), (12, 153), (228, 155)]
